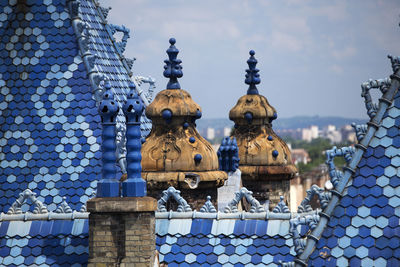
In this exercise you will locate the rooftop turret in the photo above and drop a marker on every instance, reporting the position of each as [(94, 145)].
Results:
[(174, 153)]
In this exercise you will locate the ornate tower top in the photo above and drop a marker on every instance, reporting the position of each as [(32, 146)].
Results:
[(174, 153), (170, 106), (264, 157), (252, 108)]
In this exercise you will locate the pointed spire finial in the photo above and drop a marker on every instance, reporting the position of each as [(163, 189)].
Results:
[(252, 76), (172, 68)]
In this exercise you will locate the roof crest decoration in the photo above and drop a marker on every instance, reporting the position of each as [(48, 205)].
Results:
[(63, 207), (139, 80), (40, 211), (208, 206), (323, 197), (382, 85), (309, 220), (346, 152), (15, 208), (360, 129), (281, 207), (384, 103), (239, 195), (117, 28), (183, 206), (104, 10)]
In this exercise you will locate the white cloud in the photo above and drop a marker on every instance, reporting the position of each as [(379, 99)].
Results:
[(285, 41), (201, 30), (337, 69), (345, 53)]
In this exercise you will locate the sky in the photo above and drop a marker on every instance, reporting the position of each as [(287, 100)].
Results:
[(312, 55)]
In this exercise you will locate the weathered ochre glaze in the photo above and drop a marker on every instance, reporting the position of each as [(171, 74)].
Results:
[(168, 155), (255, 150)]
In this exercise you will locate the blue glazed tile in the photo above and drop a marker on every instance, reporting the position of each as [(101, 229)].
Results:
[(262, 250), (250, 227), (212, 259), (280, 242), (4, 227), (380, 201), (207, 249), (239, 227), (258, 241), (225, 241)]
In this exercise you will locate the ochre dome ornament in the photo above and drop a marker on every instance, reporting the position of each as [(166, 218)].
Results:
[(263, 155), (174, 153)]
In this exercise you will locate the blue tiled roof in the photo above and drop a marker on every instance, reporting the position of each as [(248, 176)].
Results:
[(50, 130), (44, 243), (49, 143), (364, 229), (202, 242)]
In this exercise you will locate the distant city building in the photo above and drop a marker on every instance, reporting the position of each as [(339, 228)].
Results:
[(300, 155), (210, 133), (227, 131), (329, 128), (348, 134), (308, 134), (330, 132)]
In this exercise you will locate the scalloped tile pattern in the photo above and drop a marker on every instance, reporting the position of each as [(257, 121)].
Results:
[(204, 242), (50, 129), (44, 243), (364, 228)]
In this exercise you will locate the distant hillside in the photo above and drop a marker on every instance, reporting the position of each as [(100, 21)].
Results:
[(285, 123)]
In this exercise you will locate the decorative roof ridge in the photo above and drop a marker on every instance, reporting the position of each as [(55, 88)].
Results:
[(240, 215), (120, 48), (384, 103), (82, 33), (127, 63), (50, 216), (170, 215)]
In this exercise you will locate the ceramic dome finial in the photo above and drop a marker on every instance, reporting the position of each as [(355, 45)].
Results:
[(173, 68), (252, 76)]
